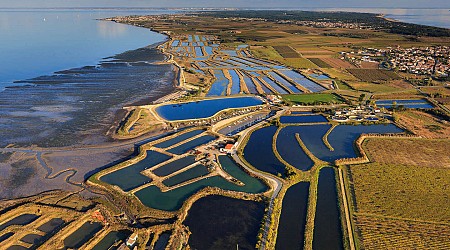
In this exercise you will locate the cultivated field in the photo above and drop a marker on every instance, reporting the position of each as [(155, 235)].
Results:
[(373, 75), (401, 207), (402, 191), (286, 52), (319, 62), (390, 233), (338, 63), (400, 200)]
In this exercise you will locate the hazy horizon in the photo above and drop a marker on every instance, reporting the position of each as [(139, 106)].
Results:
[(438, 4)]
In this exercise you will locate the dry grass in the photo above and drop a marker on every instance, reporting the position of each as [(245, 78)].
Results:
[(414, 151), (423, 124), (338, 63), (369, 65)]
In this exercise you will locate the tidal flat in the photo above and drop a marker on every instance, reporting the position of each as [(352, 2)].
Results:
[(76, 106)]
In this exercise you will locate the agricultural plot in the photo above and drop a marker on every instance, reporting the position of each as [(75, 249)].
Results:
[(399, 199), (338, 63), (374, 75), (410, 198), (386, 233), (319, 62), (286, 52)]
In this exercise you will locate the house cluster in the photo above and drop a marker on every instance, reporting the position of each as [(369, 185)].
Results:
[(422, 61), (274, 99), (415, 60), (358, 113), (327, 24)]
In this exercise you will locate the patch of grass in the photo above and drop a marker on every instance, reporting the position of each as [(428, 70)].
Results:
[(342, 85), (265, 52), (299, 63), (310, 99)]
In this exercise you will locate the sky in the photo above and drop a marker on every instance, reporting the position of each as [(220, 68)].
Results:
[(229, 3)]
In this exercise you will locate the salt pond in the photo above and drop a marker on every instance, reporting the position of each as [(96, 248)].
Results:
[(204, 108), (173, 199)]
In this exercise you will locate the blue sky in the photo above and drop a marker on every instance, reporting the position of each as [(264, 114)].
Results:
[(229, 3)]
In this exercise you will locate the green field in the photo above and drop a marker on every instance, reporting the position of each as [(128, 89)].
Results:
[(307, 99)]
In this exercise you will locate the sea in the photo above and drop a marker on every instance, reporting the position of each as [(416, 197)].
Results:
[(65, 75)]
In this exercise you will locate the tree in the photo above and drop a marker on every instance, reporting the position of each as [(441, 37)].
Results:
[(361, 97)]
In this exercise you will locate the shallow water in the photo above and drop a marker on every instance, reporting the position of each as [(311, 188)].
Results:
[(235, 88), (197, 171), (327, 222), (23, 219), (291, 228), (302, 80), (6, 236), (204, 109), (263, 86), (290, 150), (82, 234), (250, 85), (303, 119), (173, 200), (218, 222), (162, 241), (51, 225), (219, 86), (185, 147), (110, 239), (178, 139), (174, 166), (284, 82), (258, 151), (130, 177), (277, 87), (252, 184), (413, 104), (342, 138)]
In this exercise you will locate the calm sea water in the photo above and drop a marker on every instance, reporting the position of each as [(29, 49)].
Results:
[(39, 42), (431, 17)]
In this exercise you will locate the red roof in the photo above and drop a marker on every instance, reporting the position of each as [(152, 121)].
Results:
[(229, 146)]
